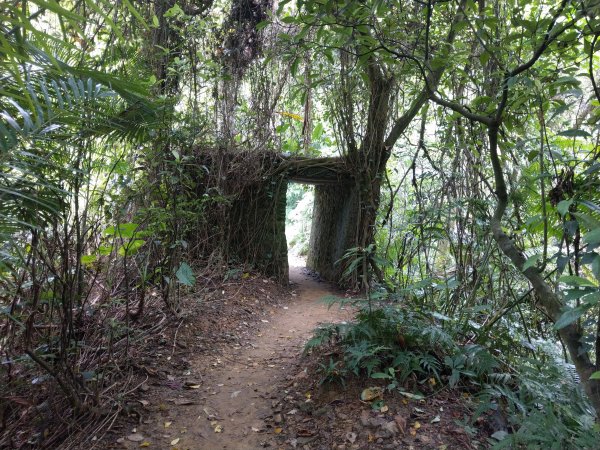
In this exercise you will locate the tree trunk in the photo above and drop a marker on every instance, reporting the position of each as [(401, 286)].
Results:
[(333, 229), (549, 301)]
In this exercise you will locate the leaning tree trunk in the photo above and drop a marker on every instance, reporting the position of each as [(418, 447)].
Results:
[(549, 301)]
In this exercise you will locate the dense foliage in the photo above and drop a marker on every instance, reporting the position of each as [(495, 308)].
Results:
[(473, 132)]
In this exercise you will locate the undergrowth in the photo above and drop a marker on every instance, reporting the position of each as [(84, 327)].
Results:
[(537, 400)]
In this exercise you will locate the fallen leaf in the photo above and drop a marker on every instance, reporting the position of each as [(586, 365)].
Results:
[(145, 444), (192, 386), (305, 433), (412, 396), (210, 413), (135, 437), (175, 441), (168, 424), (436, 419), (401, 422), (413, 432), (278, 430), (218, 429), (256, 430), (384, 408), (351, 437), (417, 425), (183, 401), (235, 394), (144, 402), (371, 393)]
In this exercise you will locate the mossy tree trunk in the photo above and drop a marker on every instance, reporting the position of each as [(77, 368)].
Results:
[(257, 228)]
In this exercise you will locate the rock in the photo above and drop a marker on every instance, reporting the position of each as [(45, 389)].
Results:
[(391, 427), (277, 418), (423, 438), (135, 437), (322, 411), (365, 420)]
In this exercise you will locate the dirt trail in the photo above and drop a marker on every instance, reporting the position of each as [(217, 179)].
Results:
[(238, 393)]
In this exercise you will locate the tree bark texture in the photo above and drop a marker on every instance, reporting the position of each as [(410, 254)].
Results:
[(333, 229)]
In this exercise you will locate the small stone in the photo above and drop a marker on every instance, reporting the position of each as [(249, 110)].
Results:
[(391, 428), (351, 437), (365, 420), (423, 439), (135, 437)]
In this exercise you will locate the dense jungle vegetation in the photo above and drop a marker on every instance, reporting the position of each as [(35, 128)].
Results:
[(471, 131)]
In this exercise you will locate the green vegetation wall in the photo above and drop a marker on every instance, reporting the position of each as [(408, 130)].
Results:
[(244, 212)]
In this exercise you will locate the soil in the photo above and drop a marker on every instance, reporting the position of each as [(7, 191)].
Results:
[(233, 376)]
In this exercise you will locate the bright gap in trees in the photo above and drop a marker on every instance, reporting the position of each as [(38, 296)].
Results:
[(298, 220)]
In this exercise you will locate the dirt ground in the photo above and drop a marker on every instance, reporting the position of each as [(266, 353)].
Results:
[(247, 385)]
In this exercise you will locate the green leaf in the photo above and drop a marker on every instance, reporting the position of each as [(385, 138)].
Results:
[(568, 317), (573, 280), (575, 133), (88, 259), (381, 375), (124, 230), (595, 376), (531, 262), (563, 207), (262, 25), (105, 250), (596, 267), (185, 275), (131, 247), (135, 13), (593, 237)]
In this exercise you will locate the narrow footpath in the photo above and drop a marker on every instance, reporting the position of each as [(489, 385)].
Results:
[(234, 407)]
